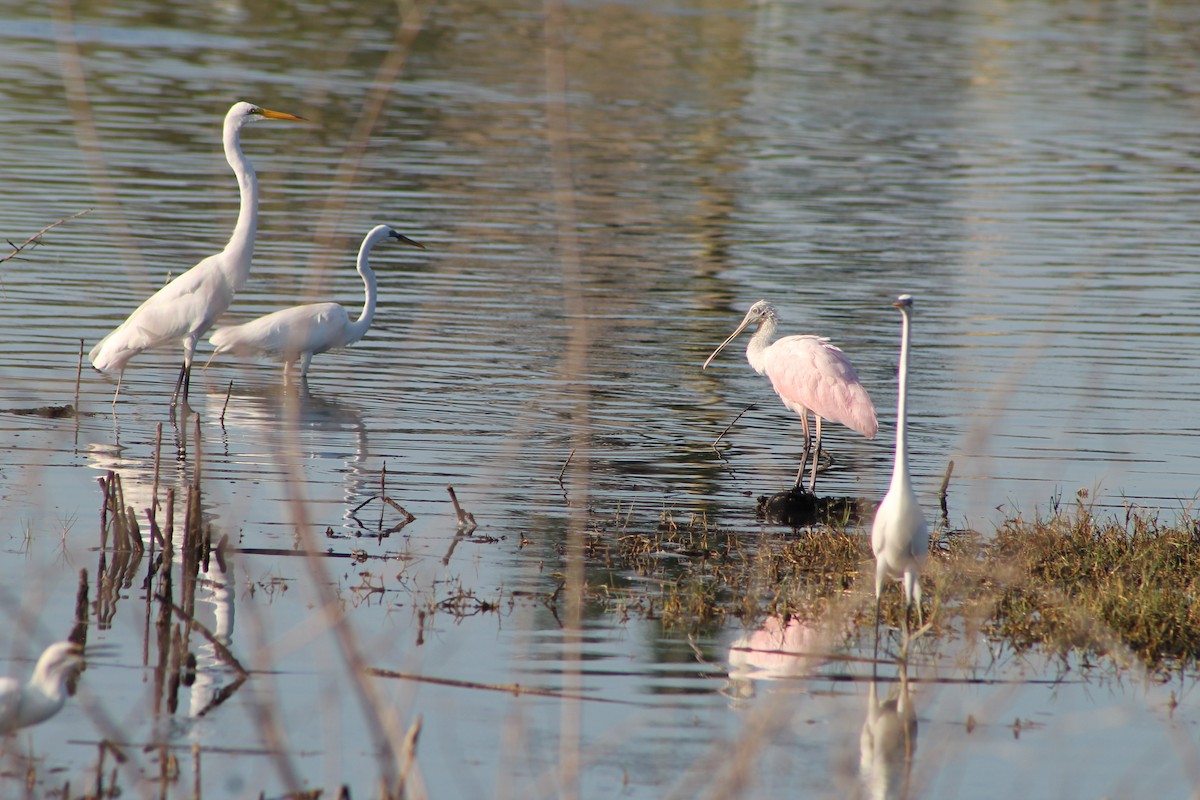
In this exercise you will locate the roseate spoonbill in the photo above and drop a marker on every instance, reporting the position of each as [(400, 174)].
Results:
[(900, 534), (809, 374), (23, 704), (188, 306), (300, 332)]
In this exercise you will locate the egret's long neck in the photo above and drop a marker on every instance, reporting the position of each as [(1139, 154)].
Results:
[(900, 472), (241, 244), (359, 327), (759, 343)]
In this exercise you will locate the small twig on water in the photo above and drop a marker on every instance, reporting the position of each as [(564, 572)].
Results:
[(942, 492), (382, 492), (154, 504), (465, 519), (409, 517), (514, 689), (228, 392), (383, 500), (36, 238), (566, 464), (730, 425), (78, 375), (221, 650)]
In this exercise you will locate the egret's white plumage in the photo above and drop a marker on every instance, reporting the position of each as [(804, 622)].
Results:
[(900, 534), (300, 332), (186, 308), (40, 698), (810, 375)]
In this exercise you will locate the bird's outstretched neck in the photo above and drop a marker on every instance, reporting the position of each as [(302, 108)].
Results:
[(759, 342), (359, 327), (241, 244), (900, 470)]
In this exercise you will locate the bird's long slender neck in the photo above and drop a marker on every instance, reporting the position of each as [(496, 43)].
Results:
[(900, 472), (759, 343), (359, 327), (49, 686), (241, 244)]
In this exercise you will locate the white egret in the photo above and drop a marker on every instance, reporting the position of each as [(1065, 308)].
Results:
[(809, 374), (299, 333), (23, 704), (900, 534), (186, 308)]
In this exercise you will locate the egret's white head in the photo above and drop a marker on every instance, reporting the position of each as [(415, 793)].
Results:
[(242, 112)]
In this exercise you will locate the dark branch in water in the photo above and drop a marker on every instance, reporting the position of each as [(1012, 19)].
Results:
[(942, 493), (466, 521), (733, 422), (36, 239), (222, 651)]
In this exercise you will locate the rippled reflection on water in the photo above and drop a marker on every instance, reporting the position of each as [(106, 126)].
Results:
[(1026, 173)]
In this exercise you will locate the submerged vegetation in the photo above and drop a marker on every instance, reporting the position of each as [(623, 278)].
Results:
[(1070, 583)]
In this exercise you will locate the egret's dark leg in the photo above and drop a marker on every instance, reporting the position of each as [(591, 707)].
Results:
[(187, 380), (178, 383)]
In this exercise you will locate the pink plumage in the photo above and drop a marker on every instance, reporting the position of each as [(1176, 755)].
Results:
[(810, 375)]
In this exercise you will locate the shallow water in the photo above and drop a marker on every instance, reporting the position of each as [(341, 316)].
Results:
[(1025, 172)]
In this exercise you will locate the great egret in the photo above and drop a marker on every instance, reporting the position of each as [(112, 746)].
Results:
[(900, 534), (300, 332), (23, 704), (188, 306), (809, 374)]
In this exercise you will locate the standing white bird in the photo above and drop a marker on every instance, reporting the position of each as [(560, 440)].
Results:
[(809, 374), (299, 333), (900, 534), (23, 704), (186, 308)]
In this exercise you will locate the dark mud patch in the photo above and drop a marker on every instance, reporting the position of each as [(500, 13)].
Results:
[(799, 508)]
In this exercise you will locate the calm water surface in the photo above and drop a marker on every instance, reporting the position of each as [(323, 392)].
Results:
[(1027, 172)]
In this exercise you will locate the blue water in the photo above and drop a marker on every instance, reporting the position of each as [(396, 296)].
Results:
[(1025, 172)]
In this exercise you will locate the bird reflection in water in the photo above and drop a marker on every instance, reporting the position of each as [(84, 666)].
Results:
[(778, 649), (270, 418), (203, 570), (888, 740)]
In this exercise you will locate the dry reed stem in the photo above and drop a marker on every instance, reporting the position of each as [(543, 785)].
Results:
[(35, 240)]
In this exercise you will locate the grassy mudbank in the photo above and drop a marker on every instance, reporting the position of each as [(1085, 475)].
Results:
[(1122, 587)]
